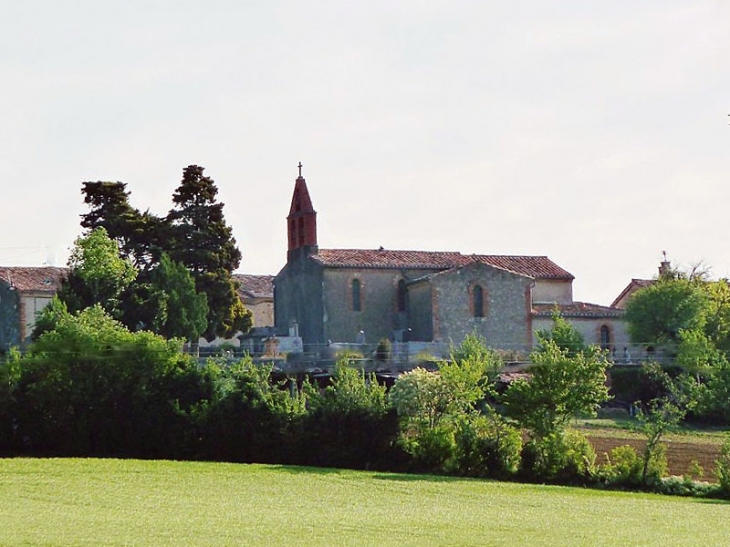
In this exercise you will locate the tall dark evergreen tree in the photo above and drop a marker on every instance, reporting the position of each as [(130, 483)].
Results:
[(140, 236), (201, 240)]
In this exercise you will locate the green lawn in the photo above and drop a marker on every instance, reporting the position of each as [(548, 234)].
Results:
[(157, 503)]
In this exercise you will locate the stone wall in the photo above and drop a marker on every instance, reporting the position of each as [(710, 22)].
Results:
[(420, 311), (590, 328), (507, 313), (378, 316), (262, 311), (553, 290), (298, 299)]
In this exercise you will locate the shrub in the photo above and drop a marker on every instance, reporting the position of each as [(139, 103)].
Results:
[(695, 471), (624, 467), (486, 446), (722, 468), (383, 351), (656, 466), (90, 387), (563, 456), (659, 416), (348, 424), (561, 386), (432, 450), (685, 486), (249, 415)]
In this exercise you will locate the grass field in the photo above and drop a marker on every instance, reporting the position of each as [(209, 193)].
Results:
[(69, 502)]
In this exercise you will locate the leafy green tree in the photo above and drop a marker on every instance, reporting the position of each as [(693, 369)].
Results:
[(10, 372), (717, 319), (697, 354), (436, 408), (204, 243), (97, 274), (186, 310), (92, 387), (423, 398), (714, 395), (48, 317), (564, 335), (561, 387), (658, 417), (194, 234), (657, 313)]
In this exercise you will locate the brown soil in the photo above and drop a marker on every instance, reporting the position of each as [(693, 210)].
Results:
[(680, 453)]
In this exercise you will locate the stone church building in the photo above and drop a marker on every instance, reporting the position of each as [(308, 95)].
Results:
[(353, 295)]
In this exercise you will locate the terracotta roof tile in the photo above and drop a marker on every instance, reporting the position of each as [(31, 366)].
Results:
[(365, 258), (46, 279), (540, 267), (576, 309), (255, 286)]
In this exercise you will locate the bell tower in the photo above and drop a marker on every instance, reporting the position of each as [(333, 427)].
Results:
[(302, 221)]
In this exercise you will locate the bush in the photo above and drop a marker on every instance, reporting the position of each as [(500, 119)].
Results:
[(564, 456), (722, 468), (92, 388), (656, 465), (348, 424), (626, 385), (486, 446), (9, 375), (249, 415), (432, 450), (624, 468), (685, 486), (383, 351)]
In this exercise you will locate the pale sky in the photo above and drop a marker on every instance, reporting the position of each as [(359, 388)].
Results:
[(596, 133)]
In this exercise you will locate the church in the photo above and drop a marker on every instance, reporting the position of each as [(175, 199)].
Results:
[(358, 295)]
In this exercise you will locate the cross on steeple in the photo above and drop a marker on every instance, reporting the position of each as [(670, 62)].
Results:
[(300, 168)]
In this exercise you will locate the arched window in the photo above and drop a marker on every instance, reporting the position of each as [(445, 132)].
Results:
[(401, 296), (356, 295), (605, 335), (478, 301)]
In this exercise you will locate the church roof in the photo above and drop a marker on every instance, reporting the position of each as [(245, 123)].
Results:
[(300, 201), (45, 279), (575, 309), (539, 267), (255, 286)]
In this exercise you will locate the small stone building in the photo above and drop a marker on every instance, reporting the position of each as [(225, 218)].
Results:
[(24, 291), (257, 294)]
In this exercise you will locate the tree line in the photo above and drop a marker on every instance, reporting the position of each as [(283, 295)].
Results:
[(91, 387), (169, 274)]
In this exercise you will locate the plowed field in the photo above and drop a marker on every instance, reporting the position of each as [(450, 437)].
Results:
[(681, 452)]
